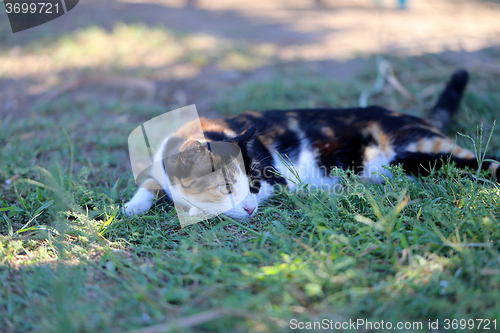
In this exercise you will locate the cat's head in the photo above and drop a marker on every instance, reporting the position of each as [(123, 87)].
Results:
[(212, 177)]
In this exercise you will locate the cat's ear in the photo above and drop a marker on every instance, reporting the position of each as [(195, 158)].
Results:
[(190, 151), (244, 137)]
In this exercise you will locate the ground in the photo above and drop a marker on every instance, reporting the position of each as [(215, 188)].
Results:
[(73, 90)]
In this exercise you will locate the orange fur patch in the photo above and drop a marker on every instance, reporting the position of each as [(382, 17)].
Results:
[(153, 187), (436, 146), (253, 113), (328, 132), (268, 138), (191, 129), (439, 146), (383, 141)]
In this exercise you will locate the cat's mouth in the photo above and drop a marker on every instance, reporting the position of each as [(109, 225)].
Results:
[(240, 213), (245, 209)]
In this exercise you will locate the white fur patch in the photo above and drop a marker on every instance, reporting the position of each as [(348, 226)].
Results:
[(307, 169), (374, 161), (239, 212), (140, 203)]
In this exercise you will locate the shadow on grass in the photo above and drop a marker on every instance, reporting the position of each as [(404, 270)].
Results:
[(229, 24)]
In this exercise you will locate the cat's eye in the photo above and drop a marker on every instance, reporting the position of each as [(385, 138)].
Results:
[(225, 189), (253, 182)]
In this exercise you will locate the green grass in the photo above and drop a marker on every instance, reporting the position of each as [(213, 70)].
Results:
[(372, 252)]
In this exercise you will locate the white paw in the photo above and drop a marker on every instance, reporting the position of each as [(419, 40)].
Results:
[(140, 203), (133, 208), (193, 211)]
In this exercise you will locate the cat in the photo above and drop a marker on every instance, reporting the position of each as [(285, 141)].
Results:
[(314, 141)]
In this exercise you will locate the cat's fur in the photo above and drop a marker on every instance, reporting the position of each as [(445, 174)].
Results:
[(315, 141)]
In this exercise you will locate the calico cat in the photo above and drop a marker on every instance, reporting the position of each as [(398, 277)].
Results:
[(314, 140)]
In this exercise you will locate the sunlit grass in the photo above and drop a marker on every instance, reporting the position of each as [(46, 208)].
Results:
[(126, 47)]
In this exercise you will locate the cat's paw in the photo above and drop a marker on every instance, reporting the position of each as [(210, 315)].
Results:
[(140, 203), (134, 208), (193, 211)]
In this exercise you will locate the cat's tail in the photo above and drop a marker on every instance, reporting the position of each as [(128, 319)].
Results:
[(442, 113)]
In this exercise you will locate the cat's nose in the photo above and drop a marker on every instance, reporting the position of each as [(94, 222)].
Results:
[(249, 210)]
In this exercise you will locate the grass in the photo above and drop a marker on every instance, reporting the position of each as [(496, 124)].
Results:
[(148, 52), (402, 252)]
